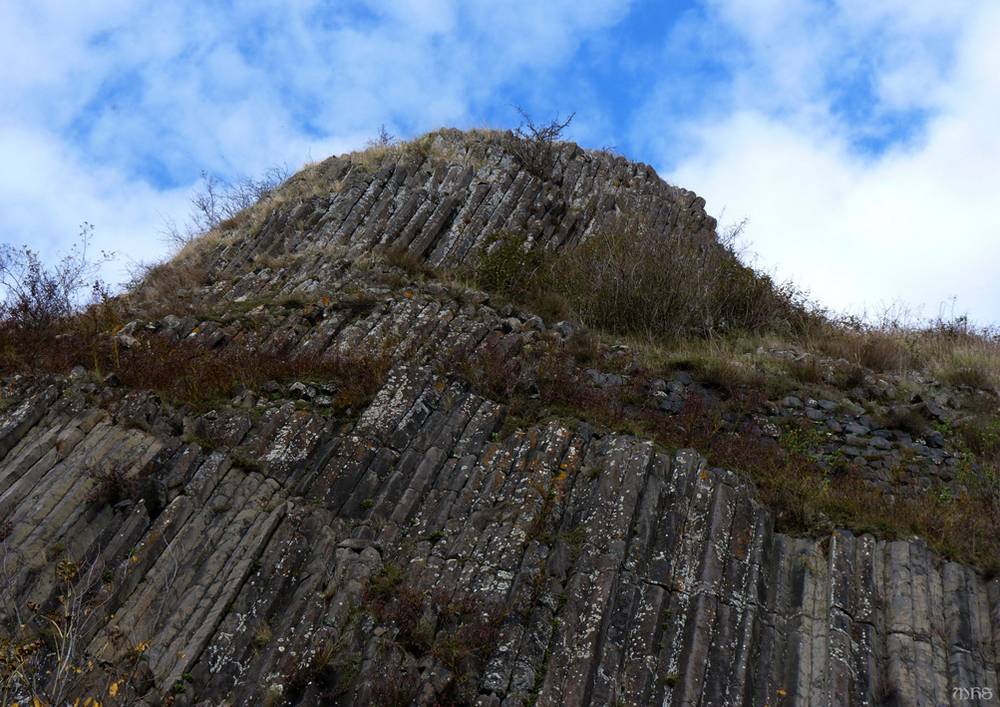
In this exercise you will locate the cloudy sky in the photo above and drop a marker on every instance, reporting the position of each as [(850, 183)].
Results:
[(858, 137)]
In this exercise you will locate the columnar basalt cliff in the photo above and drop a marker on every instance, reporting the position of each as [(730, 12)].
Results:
[(415, 542)]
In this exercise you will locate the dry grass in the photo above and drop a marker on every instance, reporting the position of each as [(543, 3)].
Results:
[(873, 349), (189, 374), (446, 145), (169, 287), (629, 281), (970, 358), (727, 363), (972, 363), (805, 370)]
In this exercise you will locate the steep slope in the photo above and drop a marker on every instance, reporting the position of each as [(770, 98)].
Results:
[(410, 541)]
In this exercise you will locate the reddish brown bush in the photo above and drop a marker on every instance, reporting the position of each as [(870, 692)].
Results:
[(192, 374), (459, 632), (111, 486), (188, 373)]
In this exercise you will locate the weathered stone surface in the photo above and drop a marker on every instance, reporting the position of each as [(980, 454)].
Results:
[(610, 570), (654, 579)]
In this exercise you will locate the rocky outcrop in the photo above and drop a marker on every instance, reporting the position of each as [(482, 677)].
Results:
[(628, 573), (443, 197), (421, 548)]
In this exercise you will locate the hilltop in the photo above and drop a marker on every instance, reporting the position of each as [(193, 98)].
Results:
[(507, 421)]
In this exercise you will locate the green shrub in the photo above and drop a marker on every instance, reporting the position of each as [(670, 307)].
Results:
[(512, 267), (630, 280)]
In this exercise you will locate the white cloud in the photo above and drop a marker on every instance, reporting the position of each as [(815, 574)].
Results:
[(917, 222), (46, 194)]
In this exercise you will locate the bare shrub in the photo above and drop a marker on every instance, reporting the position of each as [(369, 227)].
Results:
[(220, 203), (459, 631), (383, 139), (35, 296), (111, 486), (39, 303), (534, 143)]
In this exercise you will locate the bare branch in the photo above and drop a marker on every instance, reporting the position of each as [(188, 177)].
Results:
[(216, 200), (34, 296), (534, 143), (384, 139)]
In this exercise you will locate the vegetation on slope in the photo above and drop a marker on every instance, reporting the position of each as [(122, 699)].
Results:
[(676, 301), (43, 330), (804, 494)]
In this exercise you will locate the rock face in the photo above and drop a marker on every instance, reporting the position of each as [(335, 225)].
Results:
[(280, 549), (443, 197)]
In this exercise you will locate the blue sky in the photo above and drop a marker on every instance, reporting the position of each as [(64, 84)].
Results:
[(858, 137)]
